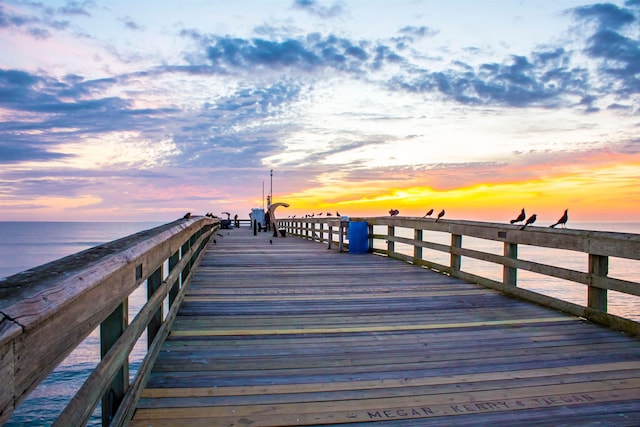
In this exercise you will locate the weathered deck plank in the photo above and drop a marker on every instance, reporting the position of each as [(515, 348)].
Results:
[(291, 333)]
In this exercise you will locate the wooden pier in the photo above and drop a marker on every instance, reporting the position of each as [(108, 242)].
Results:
[(248, 329), (291, 333)]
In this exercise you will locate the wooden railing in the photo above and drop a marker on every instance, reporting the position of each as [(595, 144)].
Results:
[(46, 312), (599, 246)]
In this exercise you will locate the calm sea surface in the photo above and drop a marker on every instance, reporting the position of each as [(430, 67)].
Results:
[(25, 245)]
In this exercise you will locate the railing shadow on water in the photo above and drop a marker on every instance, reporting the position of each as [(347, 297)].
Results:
[(539, 264), (46, 312)]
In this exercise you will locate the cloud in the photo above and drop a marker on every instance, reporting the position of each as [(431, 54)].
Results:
[(313, 8), (620, 58), (76, 8), (130, 24), (606, 15), (10, 153), (43, 19)]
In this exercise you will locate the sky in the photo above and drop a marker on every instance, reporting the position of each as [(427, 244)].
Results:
[(142, 111)]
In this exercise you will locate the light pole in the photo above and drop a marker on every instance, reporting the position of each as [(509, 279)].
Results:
[(271, 189)]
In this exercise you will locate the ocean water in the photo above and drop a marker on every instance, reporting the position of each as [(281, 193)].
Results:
[(25, 245)]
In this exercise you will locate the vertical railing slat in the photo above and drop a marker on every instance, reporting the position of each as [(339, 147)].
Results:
[(597, 297), (456, 260), (417, 250), (110, 330), (153, 283), (510, 274)]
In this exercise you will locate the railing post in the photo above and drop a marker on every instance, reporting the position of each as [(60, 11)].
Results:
[(153, 283), (110, 330), (456, 260), (510, 274), (175, 288), (391, 247), (417, 250), (597, 297), (371, 238)]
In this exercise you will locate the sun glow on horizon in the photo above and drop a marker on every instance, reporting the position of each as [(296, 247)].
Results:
[(585, 191)]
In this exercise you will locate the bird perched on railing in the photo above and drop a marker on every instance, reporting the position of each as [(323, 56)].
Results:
[(394, 212), (187, 215), (530, 221), (440, 215), (563, 219), (428, 213), (520, 217)]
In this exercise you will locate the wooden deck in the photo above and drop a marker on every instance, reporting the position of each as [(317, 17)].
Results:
[(291, 333)]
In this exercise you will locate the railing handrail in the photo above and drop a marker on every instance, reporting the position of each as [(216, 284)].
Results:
[(46, 312), (599, 245)]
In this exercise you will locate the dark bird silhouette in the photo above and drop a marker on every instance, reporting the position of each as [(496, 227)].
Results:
[(520, 217), (214, 242), (271, 242), (440, 215), (428, 213), (530, 221), (320, 214), (563, 219), (337, 213), (394, 212), (218, 234), (328, 213), (187, 215)]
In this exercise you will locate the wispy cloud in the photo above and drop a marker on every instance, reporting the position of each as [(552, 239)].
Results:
[(314, 7)]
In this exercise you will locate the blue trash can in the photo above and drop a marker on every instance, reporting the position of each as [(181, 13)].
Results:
[(358, 235)]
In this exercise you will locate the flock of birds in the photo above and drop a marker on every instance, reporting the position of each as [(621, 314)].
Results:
[(313, 215), (394, 212), (519, 219), (562, 221)]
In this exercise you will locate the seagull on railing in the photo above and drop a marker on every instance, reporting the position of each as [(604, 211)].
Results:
[(394, 212), (428, 213), (530, 221), (440, 215), (520, 217), (187, 215), (563, 219)]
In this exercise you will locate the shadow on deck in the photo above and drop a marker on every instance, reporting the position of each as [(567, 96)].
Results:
[(291, 333)]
